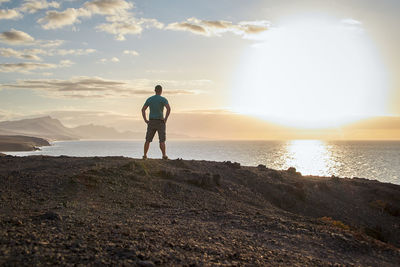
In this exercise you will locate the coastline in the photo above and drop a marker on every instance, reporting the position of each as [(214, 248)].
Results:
[(19, 143), (116, 210)]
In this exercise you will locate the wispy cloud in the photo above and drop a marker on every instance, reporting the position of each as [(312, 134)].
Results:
[(75, 52), (32, 6), (66, 63), (29, 54), (115, 10), (108, 7), (127, 26), (352, 22), (7, 114), (119, 21), (49, 43), (9, 14), (16, 37), (131, 52), (218, 27), (55, 19), (28, 6), (27, 67), (95, 87), (120, 29)]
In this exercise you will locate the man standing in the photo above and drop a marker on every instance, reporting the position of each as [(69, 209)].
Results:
[(156, 122)]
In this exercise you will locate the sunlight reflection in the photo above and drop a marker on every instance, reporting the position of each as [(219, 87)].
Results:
[(310, 157)]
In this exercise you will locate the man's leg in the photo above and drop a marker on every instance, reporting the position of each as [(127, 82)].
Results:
[(161, 136), (162, 147), (146, 148), (151, 131)]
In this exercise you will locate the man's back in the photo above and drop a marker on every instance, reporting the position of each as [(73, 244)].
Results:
[(156, 104)]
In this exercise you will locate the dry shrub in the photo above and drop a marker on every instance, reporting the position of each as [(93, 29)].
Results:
[(335, 223)]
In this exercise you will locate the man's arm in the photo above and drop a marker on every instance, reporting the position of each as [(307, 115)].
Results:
[(144, 113), (168, 111)]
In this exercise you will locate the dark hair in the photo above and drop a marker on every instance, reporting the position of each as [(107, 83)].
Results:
[(158, 88)]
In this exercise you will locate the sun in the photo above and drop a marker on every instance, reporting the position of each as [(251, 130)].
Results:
[(312, 73)]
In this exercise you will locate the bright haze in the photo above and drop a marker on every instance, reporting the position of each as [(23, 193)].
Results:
[(230, 69)]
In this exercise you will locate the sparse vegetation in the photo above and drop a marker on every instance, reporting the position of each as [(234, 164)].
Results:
[(335, 223)]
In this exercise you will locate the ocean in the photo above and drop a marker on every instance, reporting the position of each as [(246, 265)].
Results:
[(379, 160)]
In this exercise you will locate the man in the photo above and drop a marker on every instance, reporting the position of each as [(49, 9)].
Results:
[(156, 122)]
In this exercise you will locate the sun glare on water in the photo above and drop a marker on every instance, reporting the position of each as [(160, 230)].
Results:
[(312, 73)]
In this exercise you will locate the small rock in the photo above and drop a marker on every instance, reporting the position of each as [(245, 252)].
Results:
[(145, 263), (52, 216)]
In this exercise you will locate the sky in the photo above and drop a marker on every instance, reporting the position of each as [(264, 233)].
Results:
[(302, 66)]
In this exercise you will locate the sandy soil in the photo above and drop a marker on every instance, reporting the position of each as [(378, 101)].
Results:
[(121, 211)]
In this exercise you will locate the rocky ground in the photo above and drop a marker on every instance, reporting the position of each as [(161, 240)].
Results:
[(121, 211)]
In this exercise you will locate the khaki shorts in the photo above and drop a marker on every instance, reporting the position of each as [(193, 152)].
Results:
[(155, 126)]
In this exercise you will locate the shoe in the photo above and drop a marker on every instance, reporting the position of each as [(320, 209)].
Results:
[(165, 157), (144, 157)]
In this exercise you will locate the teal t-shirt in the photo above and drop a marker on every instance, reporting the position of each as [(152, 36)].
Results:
[(156, 104)]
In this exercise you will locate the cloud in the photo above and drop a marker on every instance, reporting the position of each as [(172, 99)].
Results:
[(108, 7), (113, 59), (218, 27), (55, 19), (128, 26), (185, 26), (7, 114), (354, 25), (66, 63), (120, 29), (119, 21), (49, 43), (75, 52), (4, 1), (97, 87), (9, 14), (115, 10), (30, 54), (27, 67), (351, 22), (46, 73), (15, 37), (131, 52), (32, 6)]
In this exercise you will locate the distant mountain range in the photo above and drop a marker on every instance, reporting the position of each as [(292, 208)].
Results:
[(53, 129)]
